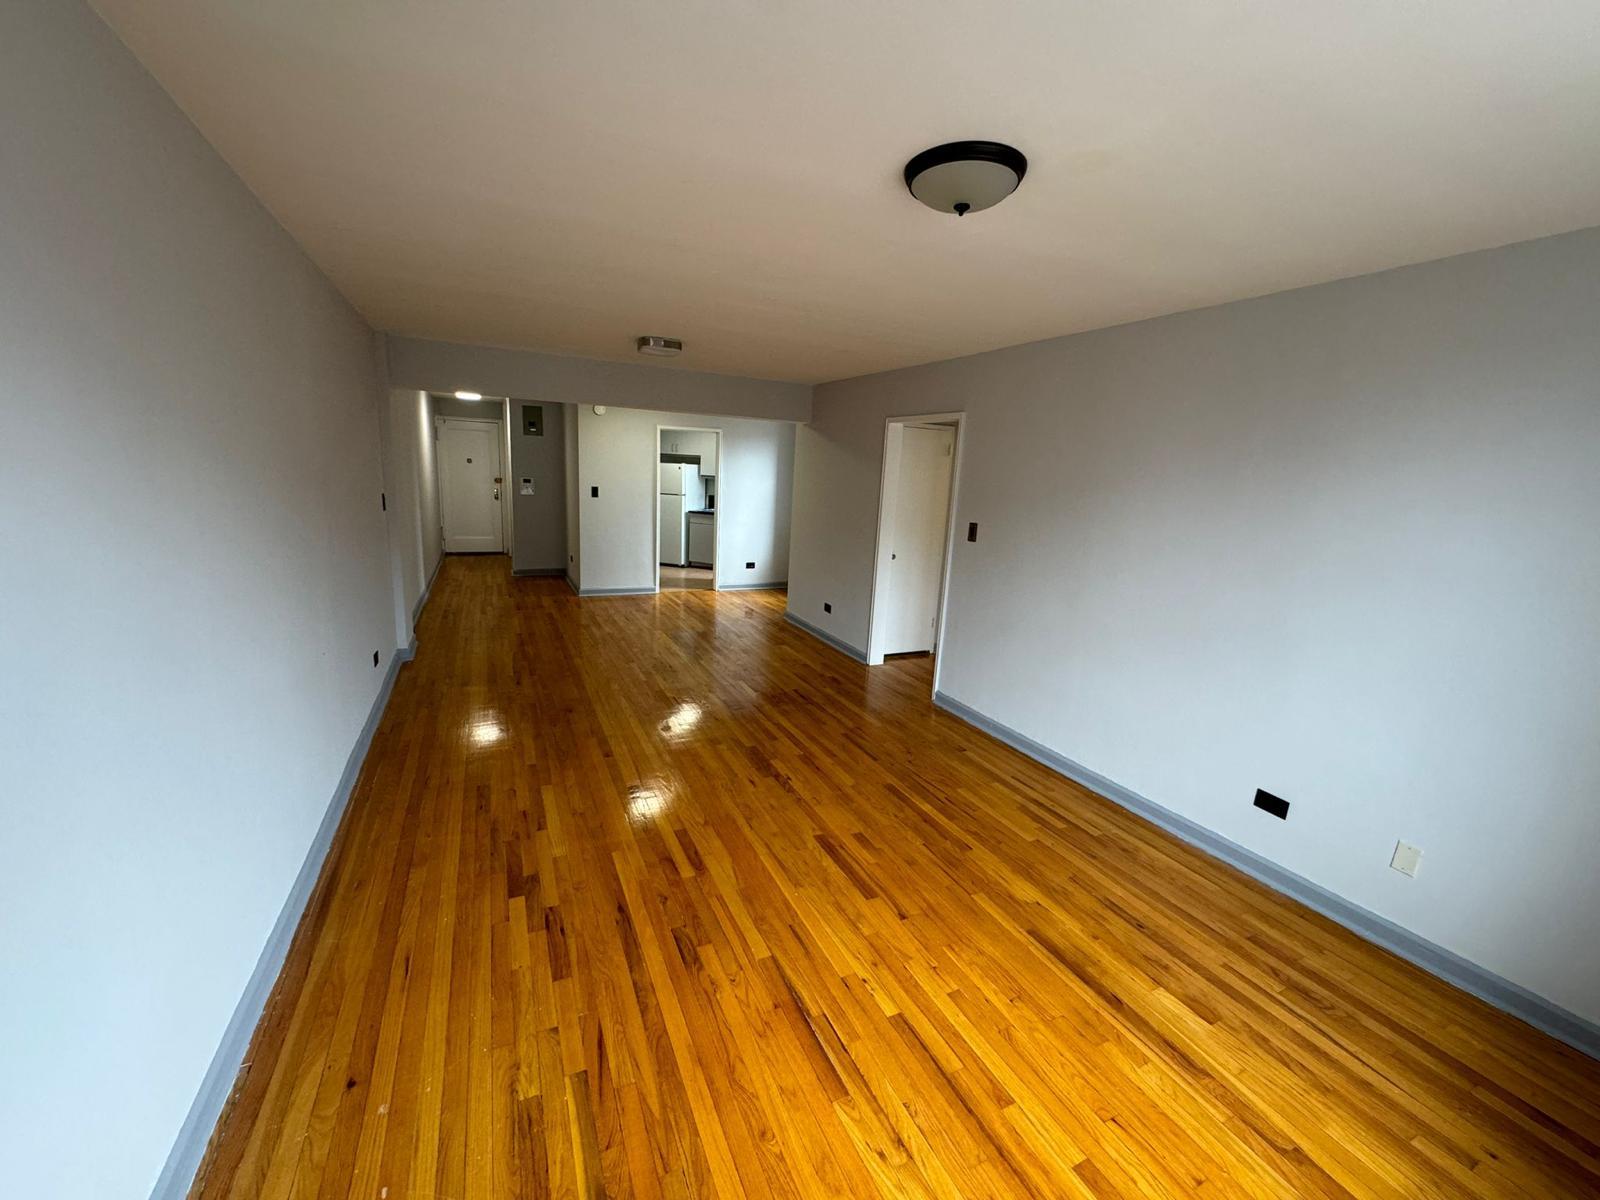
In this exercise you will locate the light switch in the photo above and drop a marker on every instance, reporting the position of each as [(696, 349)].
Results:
[(527, 487)]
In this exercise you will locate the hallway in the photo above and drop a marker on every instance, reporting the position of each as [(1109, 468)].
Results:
[(659, 896)]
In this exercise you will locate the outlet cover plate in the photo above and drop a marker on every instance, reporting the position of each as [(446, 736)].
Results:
[(1406, 859)]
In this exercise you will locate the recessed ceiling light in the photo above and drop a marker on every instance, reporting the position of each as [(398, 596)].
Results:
[(963, 177), (663, 347), (469, 395)]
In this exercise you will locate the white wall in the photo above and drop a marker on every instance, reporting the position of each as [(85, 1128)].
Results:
[(196, 577), (619, 452), (559, 378), (1339, 543)]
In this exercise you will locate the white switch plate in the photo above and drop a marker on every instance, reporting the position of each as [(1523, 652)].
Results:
[(1407, 859)]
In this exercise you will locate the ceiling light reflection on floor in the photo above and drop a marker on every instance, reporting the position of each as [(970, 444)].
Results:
[(681, 721), (485, 730), (645, 803)]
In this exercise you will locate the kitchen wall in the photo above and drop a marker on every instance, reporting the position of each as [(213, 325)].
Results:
[(557, 378), (197, 579), (619, 451), (1338, 543)]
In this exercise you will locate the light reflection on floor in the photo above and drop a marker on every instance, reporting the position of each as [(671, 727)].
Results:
[(485, 727), (681, 721), (648, 801)]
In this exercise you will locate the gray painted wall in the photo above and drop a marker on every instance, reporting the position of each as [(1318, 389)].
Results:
[(197, 577), (411, 484), (541, 528), (1338, 543), (555, 378), (569, 464)]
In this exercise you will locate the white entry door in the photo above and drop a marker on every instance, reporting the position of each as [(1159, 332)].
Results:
[(469, 486), (921, 505)]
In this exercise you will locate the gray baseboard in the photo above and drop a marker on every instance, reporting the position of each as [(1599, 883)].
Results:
[(538, 572), (822, 635), (572, 583), (781, 585), (190, 1146), (1509, 997), (616, 591)]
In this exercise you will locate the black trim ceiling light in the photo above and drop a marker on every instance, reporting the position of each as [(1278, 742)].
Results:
[(963, 177)]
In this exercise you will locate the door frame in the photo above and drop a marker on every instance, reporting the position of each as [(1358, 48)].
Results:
[(880, 550), (655, 506), (439, 423)]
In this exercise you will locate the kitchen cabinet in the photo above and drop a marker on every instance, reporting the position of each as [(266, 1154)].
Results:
[(702, 539), (691, 441)]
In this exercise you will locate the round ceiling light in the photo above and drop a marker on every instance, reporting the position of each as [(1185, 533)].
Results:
[(963, 177)]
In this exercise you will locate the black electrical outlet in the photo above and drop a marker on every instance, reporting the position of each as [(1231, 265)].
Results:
[(595, 490), (749, 566), (827, 608), (972, 531), (374, 658), (1276, 805)]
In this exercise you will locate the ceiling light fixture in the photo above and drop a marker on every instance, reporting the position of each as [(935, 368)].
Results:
[(661, 347), (963, 177), (469, 395)]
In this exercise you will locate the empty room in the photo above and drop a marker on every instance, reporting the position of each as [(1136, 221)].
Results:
[(918, 601)]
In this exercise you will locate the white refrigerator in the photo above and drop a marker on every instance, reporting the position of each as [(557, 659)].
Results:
[(682, 492)]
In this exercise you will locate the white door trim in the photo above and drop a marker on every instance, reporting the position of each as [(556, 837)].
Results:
[(880, 550), (439, 423), (655, 510)]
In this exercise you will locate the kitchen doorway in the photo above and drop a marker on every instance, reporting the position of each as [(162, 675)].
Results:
[(916, 507), (687, 470)]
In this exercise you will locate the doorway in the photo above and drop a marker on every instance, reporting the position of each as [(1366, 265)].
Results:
[(911, 567), (687, 478), (471, 476)]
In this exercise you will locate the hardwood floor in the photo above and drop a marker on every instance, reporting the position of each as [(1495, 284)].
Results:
[(684, 577), (660, 897)]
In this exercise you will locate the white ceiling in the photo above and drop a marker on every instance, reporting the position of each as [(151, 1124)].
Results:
[(564, 175)]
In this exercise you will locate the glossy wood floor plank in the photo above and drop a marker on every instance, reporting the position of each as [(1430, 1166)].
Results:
[(658, 897)]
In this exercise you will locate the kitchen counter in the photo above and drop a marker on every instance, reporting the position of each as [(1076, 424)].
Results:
[(702, 537)]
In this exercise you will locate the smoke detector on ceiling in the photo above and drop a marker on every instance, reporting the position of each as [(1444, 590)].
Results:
[(662, 347)]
